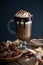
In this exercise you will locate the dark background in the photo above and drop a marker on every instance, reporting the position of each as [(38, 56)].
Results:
[(9, 7)]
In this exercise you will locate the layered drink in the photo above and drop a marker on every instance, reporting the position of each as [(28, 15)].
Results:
[(23, 20)]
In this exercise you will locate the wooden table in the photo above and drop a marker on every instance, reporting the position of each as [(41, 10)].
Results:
[(18, 62)]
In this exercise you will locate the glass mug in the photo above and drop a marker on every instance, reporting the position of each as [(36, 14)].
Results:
[(23, 28)]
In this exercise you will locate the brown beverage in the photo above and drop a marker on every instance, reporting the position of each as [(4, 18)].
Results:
[(23, 20)]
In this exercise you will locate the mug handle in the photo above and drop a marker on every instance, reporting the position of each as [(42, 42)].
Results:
[(8, 26)]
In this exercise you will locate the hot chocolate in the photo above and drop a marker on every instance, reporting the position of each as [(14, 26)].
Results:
[(23, 20)]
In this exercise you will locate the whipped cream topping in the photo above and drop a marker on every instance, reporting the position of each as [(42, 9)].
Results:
[(29, 22), (23, 13)]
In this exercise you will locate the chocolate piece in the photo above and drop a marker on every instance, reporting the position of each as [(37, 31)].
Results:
[(12, 47), (1, 48), (7, 52), (14, 53)]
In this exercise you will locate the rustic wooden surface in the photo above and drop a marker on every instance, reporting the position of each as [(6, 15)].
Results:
[(20, 62)]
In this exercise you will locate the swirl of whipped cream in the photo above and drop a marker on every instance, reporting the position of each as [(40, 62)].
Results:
[(23, 13)]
